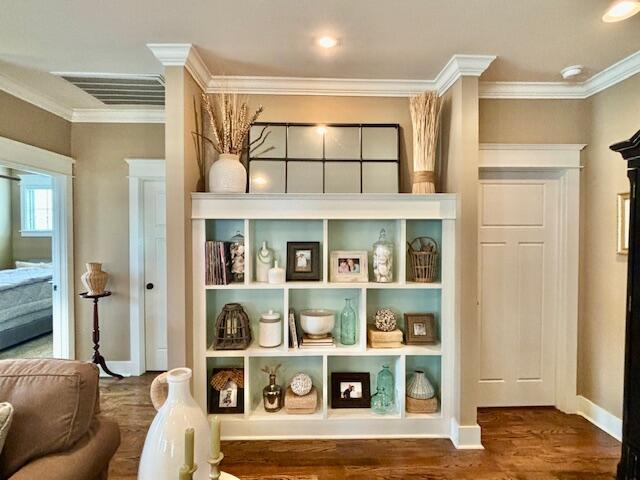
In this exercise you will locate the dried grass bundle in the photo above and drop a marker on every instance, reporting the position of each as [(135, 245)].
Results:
[(230, 121), (425, 116)]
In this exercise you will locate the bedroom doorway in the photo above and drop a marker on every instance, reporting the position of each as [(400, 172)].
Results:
[(36, 253)]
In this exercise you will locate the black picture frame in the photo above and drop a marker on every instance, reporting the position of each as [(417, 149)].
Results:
[(337, 398), (214, 397), (314, 262)]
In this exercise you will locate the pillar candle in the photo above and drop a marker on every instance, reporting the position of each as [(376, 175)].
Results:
[(188, 447), (215, 437)]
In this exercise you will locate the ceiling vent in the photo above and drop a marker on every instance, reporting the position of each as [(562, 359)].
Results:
[(116, 89)]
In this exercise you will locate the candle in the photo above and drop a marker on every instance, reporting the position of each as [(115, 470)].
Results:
[(215, 437), (188, 447)]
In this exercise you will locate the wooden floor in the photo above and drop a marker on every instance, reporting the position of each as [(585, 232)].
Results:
[(522, 444)]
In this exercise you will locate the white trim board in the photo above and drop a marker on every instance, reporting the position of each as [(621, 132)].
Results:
[(140, 170), (466, 437), (616, 73), (601, 418)]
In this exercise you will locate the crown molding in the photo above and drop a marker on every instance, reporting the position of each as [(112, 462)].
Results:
[(118, 115), (573, 147), (34, 98), (182, 55), (457, 66), (616, 73)]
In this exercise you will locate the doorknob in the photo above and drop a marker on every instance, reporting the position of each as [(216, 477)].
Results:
[(149, 286)]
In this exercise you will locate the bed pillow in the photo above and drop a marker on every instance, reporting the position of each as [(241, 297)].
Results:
[(6, 415), (26, 264)]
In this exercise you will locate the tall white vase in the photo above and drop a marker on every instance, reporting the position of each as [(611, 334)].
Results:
[(227, 175), (163, 452)]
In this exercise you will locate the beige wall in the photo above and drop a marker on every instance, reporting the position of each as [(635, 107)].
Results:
[(6, 256), (615, 116), (182, 178), (321, 109), (101, 222), (28, 124), (25, 248)]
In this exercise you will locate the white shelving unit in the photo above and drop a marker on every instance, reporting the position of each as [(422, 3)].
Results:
[(338, 222)]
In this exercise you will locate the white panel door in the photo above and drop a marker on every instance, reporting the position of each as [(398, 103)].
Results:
[(518, 285), (155, 297)]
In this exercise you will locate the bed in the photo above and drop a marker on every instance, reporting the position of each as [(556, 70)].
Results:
[(26, 308)]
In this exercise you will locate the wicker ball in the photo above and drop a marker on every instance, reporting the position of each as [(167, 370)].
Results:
[(385, 320), (301, 384)]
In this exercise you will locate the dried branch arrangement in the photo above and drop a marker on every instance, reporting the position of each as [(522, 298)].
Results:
[(425, 115), (271, 371), (230, 121)]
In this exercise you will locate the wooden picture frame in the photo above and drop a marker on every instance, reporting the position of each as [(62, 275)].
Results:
[(420, 329), (359, 383), (237, 399), (342, 261), (624, 212), (303, 261)]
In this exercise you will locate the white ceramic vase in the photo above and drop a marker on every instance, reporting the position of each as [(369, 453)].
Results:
[(419, 386), (163, 452), (227, 175)]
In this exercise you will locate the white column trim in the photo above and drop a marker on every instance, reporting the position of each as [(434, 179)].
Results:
[(466, 437), (140, 170), (565, 159), (60, 167)]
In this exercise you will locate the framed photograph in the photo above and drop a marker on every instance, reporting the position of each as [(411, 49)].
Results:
[(349, 266), (350, 390), (303, 261), (226, 392), (624, 210), (420, 329)]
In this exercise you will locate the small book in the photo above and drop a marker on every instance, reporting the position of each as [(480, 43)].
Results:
[(293, 332)]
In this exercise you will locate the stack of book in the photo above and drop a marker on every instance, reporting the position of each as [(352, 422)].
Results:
[(308, 342), (218, 263)]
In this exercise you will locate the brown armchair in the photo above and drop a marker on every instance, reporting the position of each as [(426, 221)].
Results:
[(57, 431)]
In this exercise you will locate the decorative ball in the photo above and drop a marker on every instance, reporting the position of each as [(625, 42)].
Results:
[(301, 384), (385, 320)]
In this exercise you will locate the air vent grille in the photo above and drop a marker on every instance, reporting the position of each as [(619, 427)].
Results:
[(121, 90)]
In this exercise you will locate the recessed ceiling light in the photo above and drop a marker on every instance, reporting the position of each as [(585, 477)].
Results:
[(621, 10), (327, 42), (572, 71)]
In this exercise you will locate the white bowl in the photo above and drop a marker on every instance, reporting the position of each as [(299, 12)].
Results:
[(317, 323)]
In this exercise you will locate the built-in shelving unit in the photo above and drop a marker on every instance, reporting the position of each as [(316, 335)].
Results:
[(338, 222)]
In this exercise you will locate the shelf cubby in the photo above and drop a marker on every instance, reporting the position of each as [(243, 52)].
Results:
[(423, 228), (224, 362), (432, 367), (289, 367)]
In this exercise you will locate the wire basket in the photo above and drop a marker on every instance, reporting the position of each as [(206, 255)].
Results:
[(233, 329), (423, 252)]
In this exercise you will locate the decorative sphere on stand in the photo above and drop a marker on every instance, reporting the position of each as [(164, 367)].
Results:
[(301, 384), (385, 320)]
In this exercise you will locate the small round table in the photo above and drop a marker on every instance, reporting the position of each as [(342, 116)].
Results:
[(98, 359)]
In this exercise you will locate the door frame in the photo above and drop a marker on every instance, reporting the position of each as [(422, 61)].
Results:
[(140, 171), (564, 159), (59, 167)]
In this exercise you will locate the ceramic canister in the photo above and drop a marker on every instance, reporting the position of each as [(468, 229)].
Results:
[(270, 329)]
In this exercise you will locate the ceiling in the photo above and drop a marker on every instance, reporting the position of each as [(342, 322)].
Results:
[(378, 39)]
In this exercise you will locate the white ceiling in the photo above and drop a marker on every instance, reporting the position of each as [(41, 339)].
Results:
[(393, 39)]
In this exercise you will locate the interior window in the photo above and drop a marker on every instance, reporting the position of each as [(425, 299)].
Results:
[(36, 205)]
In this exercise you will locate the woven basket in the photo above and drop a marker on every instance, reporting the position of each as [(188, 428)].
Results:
[(414, 405), (423, 252)]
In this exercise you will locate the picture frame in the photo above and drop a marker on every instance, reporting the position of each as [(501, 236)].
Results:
[(420, 329), (233, 396), (349, 266), (350, 390), (303, 261), (623, 214)]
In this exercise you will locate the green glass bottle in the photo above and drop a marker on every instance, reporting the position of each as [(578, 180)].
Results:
[(385, 381), (380, 403), (348, 324)]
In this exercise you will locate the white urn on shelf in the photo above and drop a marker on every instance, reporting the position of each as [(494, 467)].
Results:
[(228, 175), (419, 386), (164, 447)]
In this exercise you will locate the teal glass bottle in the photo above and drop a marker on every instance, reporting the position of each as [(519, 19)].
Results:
[(348, 322), (385, 381), (380, 403)]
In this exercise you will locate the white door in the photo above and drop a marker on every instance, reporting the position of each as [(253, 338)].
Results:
[(155, 297), (518, 285)]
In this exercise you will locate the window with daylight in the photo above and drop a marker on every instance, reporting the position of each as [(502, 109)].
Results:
[(36, 205)]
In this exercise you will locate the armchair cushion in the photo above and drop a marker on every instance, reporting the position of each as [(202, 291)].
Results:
[(54, 405), (6, 415)]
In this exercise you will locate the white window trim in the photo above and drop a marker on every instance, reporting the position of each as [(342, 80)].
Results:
[(28, 181)]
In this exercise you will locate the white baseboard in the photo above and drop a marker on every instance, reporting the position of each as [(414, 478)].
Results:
[(122, 367), (466, 437), (602, 419)]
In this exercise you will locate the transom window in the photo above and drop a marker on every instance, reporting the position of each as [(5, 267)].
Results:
[(36, 205)]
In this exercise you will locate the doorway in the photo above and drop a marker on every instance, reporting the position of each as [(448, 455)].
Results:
[(36, 288)]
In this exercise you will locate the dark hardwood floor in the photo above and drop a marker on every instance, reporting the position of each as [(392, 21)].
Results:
[(520, 444)]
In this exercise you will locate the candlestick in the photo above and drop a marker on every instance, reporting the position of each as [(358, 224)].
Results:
[(214, 467), (215, 437)]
